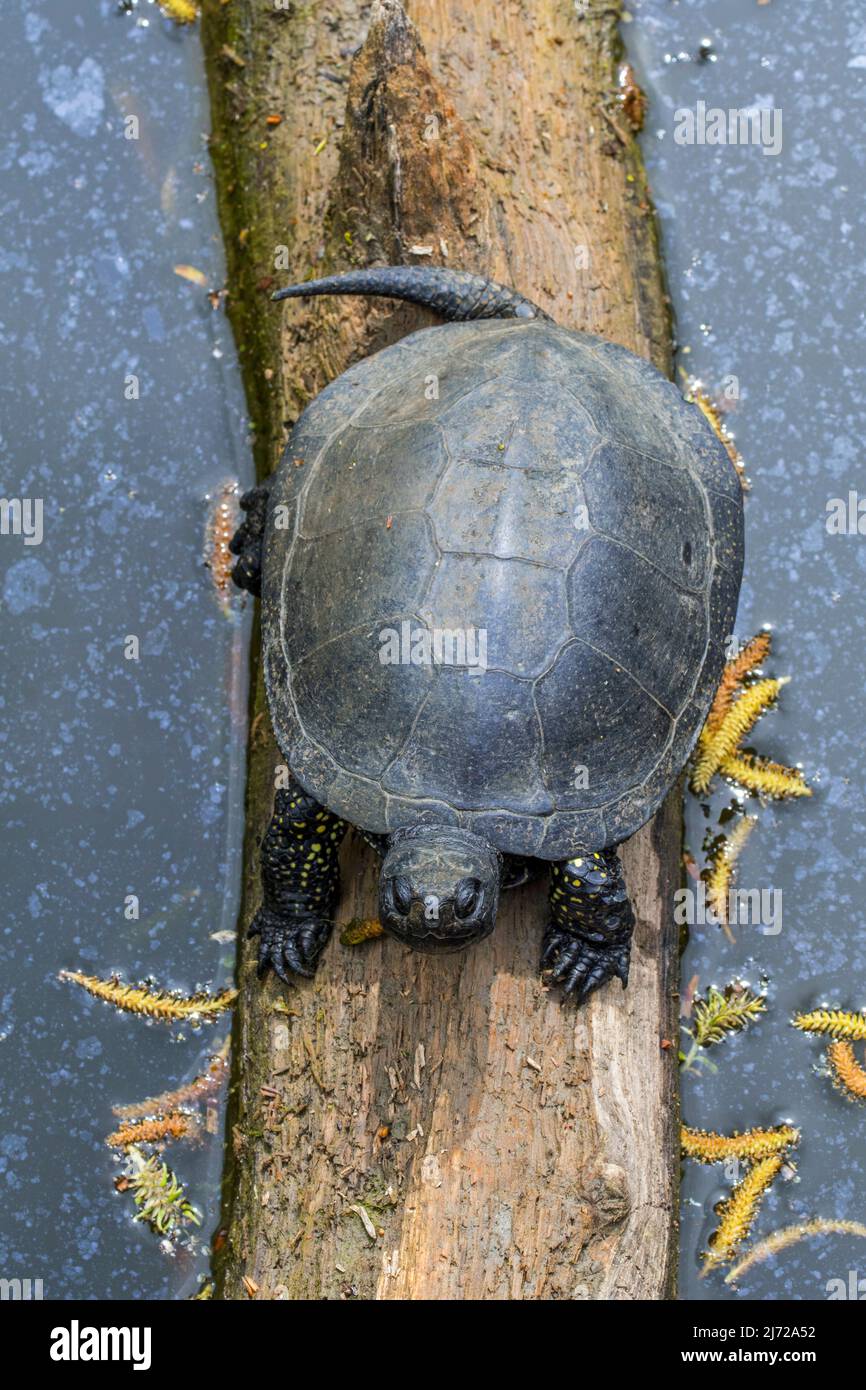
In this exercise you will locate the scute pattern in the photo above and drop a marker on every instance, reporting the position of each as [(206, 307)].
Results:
[(547, 488)]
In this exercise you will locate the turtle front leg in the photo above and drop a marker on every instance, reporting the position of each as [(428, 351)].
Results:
[(300, 883), (588, 938), (247, 540)]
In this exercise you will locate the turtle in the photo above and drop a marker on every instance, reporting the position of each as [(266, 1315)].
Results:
[(499, 565)]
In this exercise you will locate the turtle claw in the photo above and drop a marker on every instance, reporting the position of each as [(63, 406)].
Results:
[(583, 966), (288, 945)]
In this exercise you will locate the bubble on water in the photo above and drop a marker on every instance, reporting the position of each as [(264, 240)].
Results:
[(27, 585), (77, 98)]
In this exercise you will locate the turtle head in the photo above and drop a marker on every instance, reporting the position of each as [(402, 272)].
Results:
[(439, 887)]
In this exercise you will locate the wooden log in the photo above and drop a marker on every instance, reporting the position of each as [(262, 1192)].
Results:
[(408, 1126)]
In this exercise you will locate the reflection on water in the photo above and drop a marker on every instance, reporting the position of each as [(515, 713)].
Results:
[(122, 722), (765, 254)]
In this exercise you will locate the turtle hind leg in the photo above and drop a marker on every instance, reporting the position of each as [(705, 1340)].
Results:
[(300, 883), (588, 938), (247, 540)]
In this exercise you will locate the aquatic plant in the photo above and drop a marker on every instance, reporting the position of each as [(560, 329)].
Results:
[(154, 1004), (159, 1196), (835, 1023), (706, 1147), (188, 1094), (695, 392), (763, 777), (361, 929), (753, 654), (847, 1073), (722, 866), (713, 747), (221, 526), (790, 1235), (725, 1011), (181, 11), (722, 1012), (154, 1131), (728, 722), (738, 1212)]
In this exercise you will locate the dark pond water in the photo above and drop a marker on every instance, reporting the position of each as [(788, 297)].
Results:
[(119, 776), (766, 256)]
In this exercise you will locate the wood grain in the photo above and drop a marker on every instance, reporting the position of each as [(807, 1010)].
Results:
[(498, 1145)]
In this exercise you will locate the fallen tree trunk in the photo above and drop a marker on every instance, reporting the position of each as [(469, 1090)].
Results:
[(410, 1126)]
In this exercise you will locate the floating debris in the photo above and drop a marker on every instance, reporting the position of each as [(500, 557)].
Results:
[(158, 1131), (159, 1004), (631, 98), (706, 1147), (361, 929), (189, 272), (739, 721), (722, 867), (848, 1075), (836, 1023), (737, 1214), (790, 1235), (162, 1201)]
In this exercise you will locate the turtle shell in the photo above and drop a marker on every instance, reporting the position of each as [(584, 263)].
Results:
[(501, 563)]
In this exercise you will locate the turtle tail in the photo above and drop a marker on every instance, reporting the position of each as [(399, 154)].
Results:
[(454, 294)]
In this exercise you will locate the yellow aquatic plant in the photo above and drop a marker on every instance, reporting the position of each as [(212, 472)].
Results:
[(722, 866), (706, 1147), (737, 1214), (153, 1004), (712, 414), (181, 11), (764, 777), (847, 1072), (718, 748), (158, 1131), (753, 654), (835, 1023), (790, 1235), (188, 1094), (739, 720)]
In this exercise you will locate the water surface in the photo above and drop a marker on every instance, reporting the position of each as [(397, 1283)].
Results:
[(765, 256), (119, 777)]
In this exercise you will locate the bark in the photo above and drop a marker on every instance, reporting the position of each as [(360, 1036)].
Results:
[(408, 1126)]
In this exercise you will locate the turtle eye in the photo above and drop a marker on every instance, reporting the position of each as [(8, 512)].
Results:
[(401, 894), (466, 898)]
